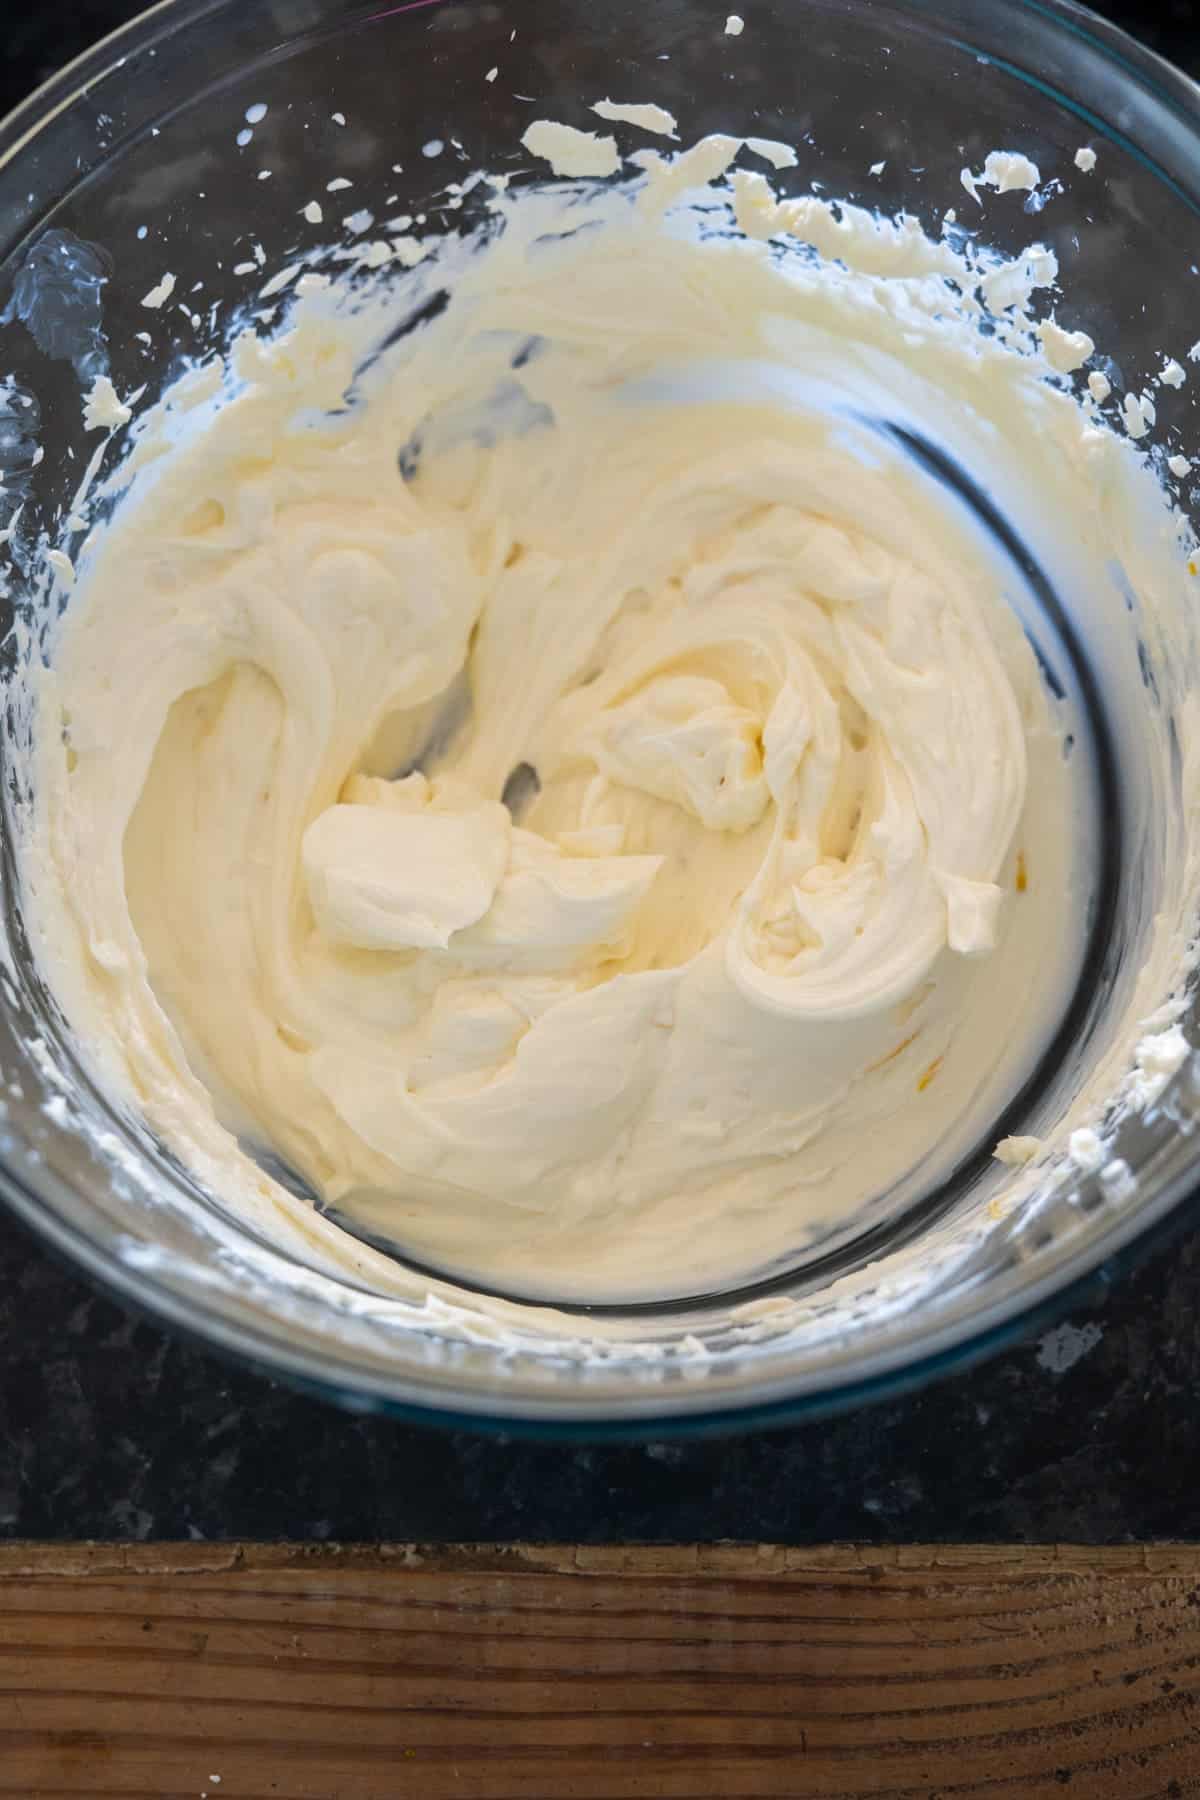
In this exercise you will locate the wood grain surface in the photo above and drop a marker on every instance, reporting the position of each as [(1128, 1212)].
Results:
[(582, 1674)]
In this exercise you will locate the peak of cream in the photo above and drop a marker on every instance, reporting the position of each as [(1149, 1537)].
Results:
[(752, 955)]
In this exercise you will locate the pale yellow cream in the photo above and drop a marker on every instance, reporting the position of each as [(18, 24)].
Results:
[(780, 909)]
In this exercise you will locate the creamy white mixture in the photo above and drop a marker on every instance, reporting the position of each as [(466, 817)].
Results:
[(571, 785)]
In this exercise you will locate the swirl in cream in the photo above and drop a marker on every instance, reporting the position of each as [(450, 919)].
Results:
[(743, 954)]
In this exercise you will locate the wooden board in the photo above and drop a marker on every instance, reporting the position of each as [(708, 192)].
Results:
[(264, 1673)]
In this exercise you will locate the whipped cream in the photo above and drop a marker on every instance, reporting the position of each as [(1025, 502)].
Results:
[(567, 781)]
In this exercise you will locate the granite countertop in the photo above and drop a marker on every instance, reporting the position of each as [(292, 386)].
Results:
[(110, 1429)]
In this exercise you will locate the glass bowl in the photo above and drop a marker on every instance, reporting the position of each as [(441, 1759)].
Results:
[(153, 154)]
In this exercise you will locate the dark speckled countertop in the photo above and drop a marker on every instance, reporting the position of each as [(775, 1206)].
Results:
[(109, 1429)]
